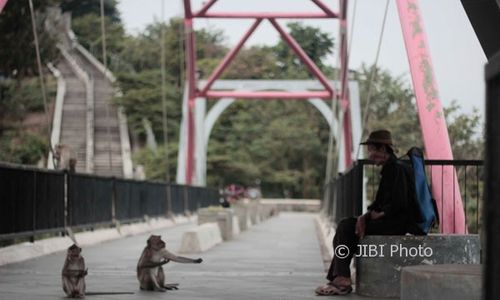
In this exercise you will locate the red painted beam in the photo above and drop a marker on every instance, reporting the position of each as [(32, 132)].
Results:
[(325, 8), (303, 56), (229, 57), (2, 4), (266, 95), (188, 13), (344, 90), (445, 187), (206, 7), (266, 15), (191, 82)]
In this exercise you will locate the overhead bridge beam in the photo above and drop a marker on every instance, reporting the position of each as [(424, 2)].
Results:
[(266, 95)]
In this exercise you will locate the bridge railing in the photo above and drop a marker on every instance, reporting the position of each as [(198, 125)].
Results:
[(349, 193), (36, 201)]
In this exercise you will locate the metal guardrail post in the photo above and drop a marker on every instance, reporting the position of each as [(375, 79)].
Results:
[(33, 207), (186, 200), (168, 190), (491, 209), (113, 200), (66, 179)]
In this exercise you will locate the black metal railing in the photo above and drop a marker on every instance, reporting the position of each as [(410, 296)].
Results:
[(345, 194), (35, 201)]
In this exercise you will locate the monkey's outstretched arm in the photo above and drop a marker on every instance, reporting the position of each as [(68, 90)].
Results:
[(180, 259), (152, 264)]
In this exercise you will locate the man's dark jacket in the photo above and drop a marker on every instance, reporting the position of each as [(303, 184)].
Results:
[(396, 195)]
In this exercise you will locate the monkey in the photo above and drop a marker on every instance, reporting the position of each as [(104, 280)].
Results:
[(73, 273), (149, 268), (65, 158)]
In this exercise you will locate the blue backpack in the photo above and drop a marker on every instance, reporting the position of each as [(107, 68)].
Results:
[(429, 215)]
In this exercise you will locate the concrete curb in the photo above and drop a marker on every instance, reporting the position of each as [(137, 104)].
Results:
[(201, 238), (325, 233), (26, 251)]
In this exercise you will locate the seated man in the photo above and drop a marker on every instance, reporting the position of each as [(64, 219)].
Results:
[(393, 212)]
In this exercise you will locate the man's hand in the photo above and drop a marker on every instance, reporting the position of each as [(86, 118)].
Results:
[(360, 226)]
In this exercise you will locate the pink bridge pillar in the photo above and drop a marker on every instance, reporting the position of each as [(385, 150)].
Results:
[(2, 4), (445, 187)]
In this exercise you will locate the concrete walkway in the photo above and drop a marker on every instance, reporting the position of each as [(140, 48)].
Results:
[(277, 259)]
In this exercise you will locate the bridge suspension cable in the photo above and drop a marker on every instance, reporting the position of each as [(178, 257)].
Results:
[(373, 75)]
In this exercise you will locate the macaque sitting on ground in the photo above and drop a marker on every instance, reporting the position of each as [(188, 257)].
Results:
[(65, 158), (73, 273), (149, 268)]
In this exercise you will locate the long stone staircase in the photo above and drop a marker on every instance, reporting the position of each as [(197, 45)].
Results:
[(104, 157), (74, 115), (107, 144)]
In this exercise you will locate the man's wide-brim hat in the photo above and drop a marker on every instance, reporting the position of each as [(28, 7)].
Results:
[(379, 137)]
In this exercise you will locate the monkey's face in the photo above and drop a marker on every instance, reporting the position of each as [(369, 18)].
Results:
[(155, 242), (74, 251)]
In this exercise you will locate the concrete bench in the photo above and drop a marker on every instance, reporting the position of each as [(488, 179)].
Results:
[(441, 282), (242, 211), (224, 217), (380, 258), (201, 238)]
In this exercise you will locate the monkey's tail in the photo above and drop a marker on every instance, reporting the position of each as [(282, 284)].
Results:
[(107, 293)]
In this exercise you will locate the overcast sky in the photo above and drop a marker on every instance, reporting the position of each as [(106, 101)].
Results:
[(456, 53)]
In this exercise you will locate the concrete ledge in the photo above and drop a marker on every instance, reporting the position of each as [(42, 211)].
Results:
[(241, 210), (378, 270), (201, 238), (58, 108), (441, 282), (303, 205), (224, 217), (236, 226), (25, 251), (267, 210), (254, 212), (325, 233)]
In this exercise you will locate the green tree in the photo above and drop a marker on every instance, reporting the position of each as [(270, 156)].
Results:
[(22, 147), (88, 30), (142, 87), (465, 131), (142, 99), (80, 8), (392, 106), (315, 43), (282, 143), (256, 62), (17, 50)]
